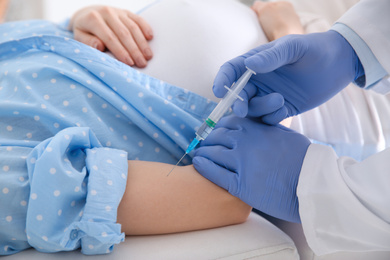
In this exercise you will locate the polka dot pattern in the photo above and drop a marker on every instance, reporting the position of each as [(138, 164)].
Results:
[(57, 92)]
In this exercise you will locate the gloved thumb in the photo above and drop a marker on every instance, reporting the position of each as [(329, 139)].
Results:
[(269, 59)]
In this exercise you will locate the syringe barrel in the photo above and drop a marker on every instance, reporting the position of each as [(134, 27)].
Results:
[(204, 130), (231, 96)]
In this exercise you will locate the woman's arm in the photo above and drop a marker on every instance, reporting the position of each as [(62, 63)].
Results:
[(156, 204)]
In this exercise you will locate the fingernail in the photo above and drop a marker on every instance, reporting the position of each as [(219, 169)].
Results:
[(148, 53), (141, 62), (129, 61)]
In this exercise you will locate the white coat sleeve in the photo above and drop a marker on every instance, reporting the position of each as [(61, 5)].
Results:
[(344, 204), (366, 27)]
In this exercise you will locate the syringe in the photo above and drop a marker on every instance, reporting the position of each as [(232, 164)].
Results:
[(220, 110)]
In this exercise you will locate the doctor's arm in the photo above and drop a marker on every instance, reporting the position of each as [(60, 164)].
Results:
[(307, 70), (342, 204)]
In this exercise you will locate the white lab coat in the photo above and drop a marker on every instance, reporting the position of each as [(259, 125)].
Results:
[(345, 204)]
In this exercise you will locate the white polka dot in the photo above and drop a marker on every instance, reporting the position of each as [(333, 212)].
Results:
[(29, 135), (56, 193), (65, 103), (163, 121), (140, 144), (34, 196), (15, 89), (193, 107), (16, 112), (43, 106), (59, 213), (169, 97), (108, 143), (155, 135), (45, 238), (53, 170), (90, 246), (123, 176), (56, 125), (6, 168), (109, 161), (74, 70), (77, 189), (122, 155), (89, 95), (72, 86), (157, 149), (176, 134), (104, 106), (23, 203), (8, 218), (34, 75), (9, 128), (67, 137), (21, 178), (104, 234), (124, 137), (33, 160), (5, 190), (182, 126), (49, 149), (93, 192), (140, 94), (85, 110), (103, 59), (173, 114), (108, 208), (109, 182), (102, 74), (60, 61), (39, 217), (53, 81), (77, 51), (9, 148), (73, 203), (89, 82), (124, 107), (95, 167)]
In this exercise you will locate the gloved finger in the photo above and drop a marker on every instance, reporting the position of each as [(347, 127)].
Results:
[(240, 107), (215, 173), (88, 39), (263, 105), (219, 136), (219, 155), (227, 75), (270, 59), (275, 117)]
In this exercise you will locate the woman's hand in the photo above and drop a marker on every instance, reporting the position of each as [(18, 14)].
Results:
[(122, 32), (277, 19)]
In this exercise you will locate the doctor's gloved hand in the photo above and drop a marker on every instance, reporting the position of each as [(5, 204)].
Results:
[(306, 70), (258, 163)]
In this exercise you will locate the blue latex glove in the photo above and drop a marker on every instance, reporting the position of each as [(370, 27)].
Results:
[(258, 163), (306, 70)]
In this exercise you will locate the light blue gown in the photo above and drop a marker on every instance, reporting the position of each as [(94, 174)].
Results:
[(70, 117)]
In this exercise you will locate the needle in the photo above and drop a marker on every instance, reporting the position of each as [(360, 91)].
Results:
[(176, 164)]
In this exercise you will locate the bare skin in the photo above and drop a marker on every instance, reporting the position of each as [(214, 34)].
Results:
[(156, 204), (122, 32), (3, 9)]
